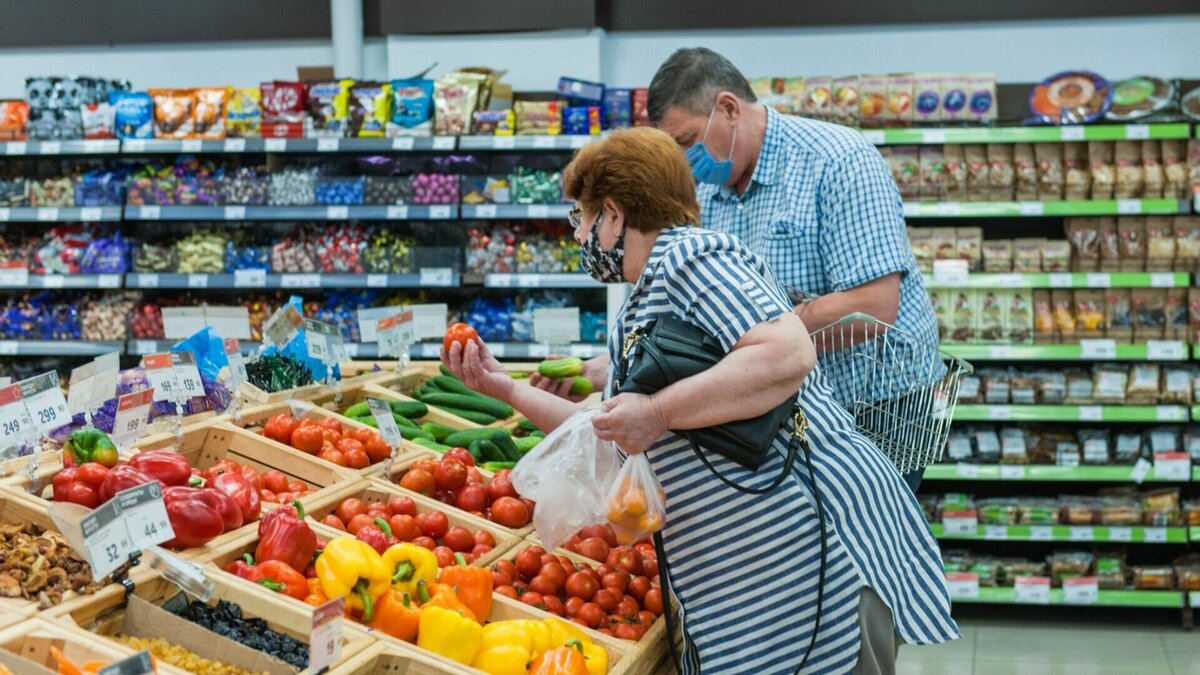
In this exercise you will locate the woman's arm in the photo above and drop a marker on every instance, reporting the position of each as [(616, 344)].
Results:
[(476, 367)]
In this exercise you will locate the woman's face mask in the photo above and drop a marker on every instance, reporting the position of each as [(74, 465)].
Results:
[(607, 267), (705, 167)]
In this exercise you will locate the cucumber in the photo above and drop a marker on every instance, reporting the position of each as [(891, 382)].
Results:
[(403, 421), (439, 431), (462, 439), (445, 371), (412, 434), (502, 440), (525, 425), (468, 415), (581, 386), (497, 466), (368, 420), (526, 444), (538, 434), (426, 443), (490, 452), (358, 410), (452, 385), (560, 369), (492, 407), (409, 409)]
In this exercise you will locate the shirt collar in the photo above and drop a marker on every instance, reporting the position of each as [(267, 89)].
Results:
[(769, 165)]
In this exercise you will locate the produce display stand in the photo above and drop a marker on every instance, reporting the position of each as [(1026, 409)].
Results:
[(388, 658), (253, 395), (399, 469), (28, 644), (378, 491), (412, 379), (105, 616)]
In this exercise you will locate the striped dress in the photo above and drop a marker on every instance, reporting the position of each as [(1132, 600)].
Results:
[(745, 567)]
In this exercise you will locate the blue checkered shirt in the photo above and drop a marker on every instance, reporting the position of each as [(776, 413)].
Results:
[(823, 211)]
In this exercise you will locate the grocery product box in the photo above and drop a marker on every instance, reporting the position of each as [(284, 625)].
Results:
[(25, 648)]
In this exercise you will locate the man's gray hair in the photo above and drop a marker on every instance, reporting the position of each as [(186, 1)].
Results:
[(691, 79)]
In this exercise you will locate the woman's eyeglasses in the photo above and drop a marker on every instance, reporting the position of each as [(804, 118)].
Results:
[(575, 217)]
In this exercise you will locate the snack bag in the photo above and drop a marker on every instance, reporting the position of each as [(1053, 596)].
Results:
[(412, 104), (210, 113), (243, 113), (370, 109), (133, 114), (872, 98), (618, 108), (637, 504), (328, 109), (13, 117), (845, 100), (173, 112), (455, 98), (641, 111)]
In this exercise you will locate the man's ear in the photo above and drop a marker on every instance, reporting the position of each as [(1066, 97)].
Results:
[(728, 107)]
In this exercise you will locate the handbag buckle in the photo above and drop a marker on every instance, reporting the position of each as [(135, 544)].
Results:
[(800, 425), (631, 340)]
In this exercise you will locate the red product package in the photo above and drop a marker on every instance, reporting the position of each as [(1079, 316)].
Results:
[(283, 109), (641, 115), (13, 116)]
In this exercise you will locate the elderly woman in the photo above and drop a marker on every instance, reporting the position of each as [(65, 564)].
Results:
[(751, 572)]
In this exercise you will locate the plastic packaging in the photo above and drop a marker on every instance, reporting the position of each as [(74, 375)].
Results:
[(637, 503), (569, 475)]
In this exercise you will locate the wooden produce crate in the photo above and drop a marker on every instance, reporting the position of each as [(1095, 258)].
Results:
[(378, 491), (143, 615), (398, 470), (382, 658), (410, 380), (25, 647), (252, 395)]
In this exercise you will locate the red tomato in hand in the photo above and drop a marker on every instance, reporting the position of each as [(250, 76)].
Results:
[(459, 455), (460, 333), (510, 512), (402, 505)]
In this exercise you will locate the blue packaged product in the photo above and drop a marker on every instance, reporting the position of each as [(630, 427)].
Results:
[(581, 92), (133, 112), (412, 102), (618, 108), (581, 121)]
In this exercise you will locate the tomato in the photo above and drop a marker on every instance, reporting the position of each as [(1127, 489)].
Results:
[(450, 475), (445, 556), (402, 505), (471, 497), (625, 558), (484, 538), (650, 565), (331, 455), (644, 548), (419, 481), (425, 465), (594, 548), (638, 586), (377, 449), (356, 458), (508, 592), (253, 477), (480, 550), (347, 444), (607, 599), (332, 437), (604, 531), (404, 527), (434, 524), (581, 585), (460, 333), (590, 614), (603, 569), (474, 477), (555, 572), (308, 439), (653, 602), (543, 585), (618, 580), (358, 522), (645, 617), (332, 425), (459, 455), (510, 512), (275, 480), (521, 586), (572, 606), (379, 509), (528, 563), (501, 486), (297, 487), (268, 496), (534, 599), (284, 497), (425, 542), (625, 631), (500, 579), (459, 539), (349, 508), (554, 605), (279, 428), (628, 607)]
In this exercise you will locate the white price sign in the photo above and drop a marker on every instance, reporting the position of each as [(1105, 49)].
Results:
[(385, 422), (960, 523), (962, 585), (237, 362), (325, 641), (396, 334), (429, 321), (368, 321), (1120, 534), (557, 325), (1032, 590), (1041, 533), (133, 416), (160, 372), (966, 470), (1081, 591), (1172, 466), (179, 322), (1012, 472), (145, 515), (14, 275), (45, 402), (14, 421), (105, 539), (283, 326), (324, 341), (231, 322), (249, 278), (1082, 533), (1098, 349), (187, 374), (437, 276), (1140, 470), (950, 272)]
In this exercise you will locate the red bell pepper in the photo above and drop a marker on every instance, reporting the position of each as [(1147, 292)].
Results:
[(120, 478), (80, 484), (282, 578), (195, 522), (169, 467), (379, 535), (243, 494), (284, 536), (231, 515), (242, 568)]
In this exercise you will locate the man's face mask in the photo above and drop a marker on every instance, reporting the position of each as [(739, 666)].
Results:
[(705, 167)]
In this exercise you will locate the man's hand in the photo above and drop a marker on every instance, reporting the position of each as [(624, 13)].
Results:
[(633, 421), (478, 369), (595, 370)]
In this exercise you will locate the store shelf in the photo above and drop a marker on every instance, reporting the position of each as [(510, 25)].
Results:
[(53, 281), (1099, 132), (241, 213), (540, 281), (57, 347), (1070, 533), (51, 148), (84, 214), (1099, 207), (354, 350), (514, 211), (518, 350), (1064, 280), (443, 278), (1105, 598), (290, 145), (1194, 534), (502, 143), (1163, 350), (1033, 472), (1070, 413)]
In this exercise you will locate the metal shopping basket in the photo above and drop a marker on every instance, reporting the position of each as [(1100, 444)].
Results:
[(900, 389)]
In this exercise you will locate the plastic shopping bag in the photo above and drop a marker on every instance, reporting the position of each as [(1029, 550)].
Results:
[(568, 474), (637, 504)]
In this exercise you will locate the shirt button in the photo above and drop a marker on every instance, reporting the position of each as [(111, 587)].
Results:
[(740, 206)]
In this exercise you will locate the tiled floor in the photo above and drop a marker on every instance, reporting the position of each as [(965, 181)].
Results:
[(1003, 647)]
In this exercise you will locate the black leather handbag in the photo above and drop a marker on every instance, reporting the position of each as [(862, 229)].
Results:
[(667, 350)]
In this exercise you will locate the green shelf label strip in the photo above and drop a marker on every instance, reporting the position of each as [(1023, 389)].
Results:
[(1070, 413), (1106, 132), (1105, 598), (1068, 533), (1062, 280), (1165, 350), (1020, 472), (1089, 207)]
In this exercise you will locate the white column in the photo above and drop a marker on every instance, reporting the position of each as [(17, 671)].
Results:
[(346, 28)]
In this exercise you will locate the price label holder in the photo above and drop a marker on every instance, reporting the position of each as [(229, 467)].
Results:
[(105, 539), (187, 375), (1081, 533), (368, 321), (160, 372), (386, 423), (953, 273), (1081, 591), (14, 419), (79, 391), (235, 145), (231, 322), (180, 322), (1032, 590), (437, 276), (1140, 470), (275, 145), (1041, 533), (1154, 535), (396, 336), (133, 417), (1165, 350), (1012, 472), (14, 275), (250, 278), (960, 523), (237, 363), (1175, 466), (1091, 350), (145, 515), (403, 143), (325, 642), (966, 470), (283, 327), (556, 325), (317, 337), (429, 321), (962, 585), (45, 402), (1123, 534), (995, 532), (138, 664)]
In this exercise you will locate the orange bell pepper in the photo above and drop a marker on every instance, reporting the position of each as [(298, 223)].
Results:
[(472, 585), (560, 661), (316, 594), (397, 615), (443, 595)]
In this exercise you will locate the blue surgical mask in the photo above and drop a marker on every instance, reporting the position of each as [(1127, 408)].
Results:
[(705, 168)]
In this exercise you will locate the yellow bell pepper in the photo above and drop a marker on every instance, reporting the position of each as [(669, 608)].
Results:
[(506, 633), (562, 632), (595, 657), (502, 660), (539, 637), (350, 568), (449, 634), (410, 564)]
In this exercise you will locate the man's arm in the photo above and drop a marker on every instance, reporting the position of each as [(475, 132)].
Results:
[(879, 298)]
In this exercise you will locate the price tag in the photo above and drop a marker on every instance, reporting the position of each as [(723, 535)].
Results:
[(5, 214), (396, 334), (1098, 280), (191, 145), (45, 402), (582, 351), (300, 280), (443, 142), (47, 214), (1137, 132), (327, 145), (105, 539), (187, 375), (351, 349), (873, 136), (1140, 470), (231, 322), (197, 281), (337, 212), (150, 212), (437, 276), (504, 142), (9, 347), (1059, 280), (1031, 208), (397, 212), (235, 213), (543, 142), (966, 470), (999, 412), (325, 641), (962, 585), (79, 388), (49, 148), (316, 339), (528, 280), (385, 422), (53, 281), (485, 211), (1073, 133), (1193, 599), (429, 321), (377, 281), (368, 321), (948, 209), (249, 278), (439, 212), (950, 272), (1098, 349), (1032, 590), (1170, 413), (995, 532), (143, 347), (138, 664), (181, 322), (499, 280), (1154, 535), (237, 362), (14, 420), (911, 210), (1084, 533), (999, 352), (932, 136), (1120, 534), (403, 143), (556, 325), (15, 148), (275, 145), (580, 141), (14, 275), (1081, 591), (538, 351), (1129, 207), (960, 523), (108, 280), (1012, 472), (1172, 466), (539, 211), (1041, 533), (1165, 350), (134, 145), (145, 515), (235, 145), (497, 349), (91, 214), (160, 372), (1162, 280), (1090, 413)]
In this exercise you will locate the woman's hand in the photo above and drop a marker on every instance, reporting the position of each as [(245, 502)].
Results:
[(633, 421), (594, 369), (476, 367)]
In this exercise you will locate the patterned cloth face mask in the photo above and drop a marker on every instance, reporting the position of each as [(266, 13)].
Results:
[(607, 267)]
